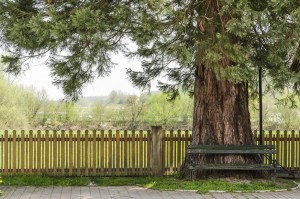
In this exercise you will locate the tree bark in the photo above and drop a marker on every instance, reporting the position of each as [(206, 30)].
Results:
[(221, 114)]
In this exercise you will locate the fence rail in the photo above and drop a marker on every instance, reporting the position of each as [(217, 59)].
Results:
[(113, 153)]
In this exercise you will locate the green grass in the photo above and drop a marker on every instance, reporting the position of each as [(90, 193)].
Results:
[(163, 183), (202, 186), (122, 181), (26, 180)]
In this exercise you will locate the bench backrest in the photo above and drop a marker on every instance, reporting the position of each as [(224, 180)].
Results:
[(231, 149)]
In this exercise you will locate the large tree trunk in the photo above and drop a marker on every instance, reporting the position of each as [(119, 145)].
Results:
[(221, 117), (221, 114)]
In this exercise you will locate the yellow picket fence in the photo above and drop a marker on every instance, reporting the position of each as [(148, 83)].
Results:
[(112, 152)]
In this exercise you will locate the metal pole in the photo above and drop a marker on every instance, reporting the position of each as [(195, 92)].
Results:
[(260, 106)]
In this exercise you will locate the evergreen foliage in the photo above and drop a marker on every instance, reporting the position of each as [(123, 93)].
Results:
[(257, 34), (79, 37)]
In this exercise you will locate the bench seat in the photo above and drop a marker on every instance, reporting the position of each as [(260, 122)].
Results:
[(231, 150)]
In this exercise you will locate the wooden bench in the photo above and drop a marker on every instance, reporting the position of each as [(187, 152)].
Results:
[(231, 150)]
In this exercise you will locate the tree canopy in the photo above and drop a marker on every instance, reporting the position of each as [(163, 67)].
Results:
[(78, 37)]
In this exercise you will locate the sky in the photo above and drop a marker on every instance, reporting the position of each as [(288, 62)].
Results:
[(38, 76)]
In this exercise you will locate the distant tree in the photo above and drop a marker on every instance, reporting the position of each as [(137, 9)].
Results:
[(158, 110), (19, 106), (53, 113), (117, 97), (118, 116), (279, 112), (34, 101), (289, 118), (185, 104), (71, 112), (98, 112), (112, 97), (286, 111), (11, 109), (135, 106), (161, 111)]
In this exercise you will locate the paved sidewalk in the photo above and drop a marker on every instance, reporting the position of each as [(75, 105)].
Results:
[(129, 192)]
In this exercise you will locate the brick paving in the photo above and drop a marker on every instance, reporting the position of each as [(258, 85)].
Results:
[(128, 192)]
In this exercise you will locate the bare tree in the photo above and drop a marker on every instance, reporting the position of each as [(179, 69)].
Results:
[(136, 106)]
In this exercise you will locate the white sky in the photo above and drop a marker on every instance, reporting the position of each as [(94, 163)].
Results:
[(38, 76)]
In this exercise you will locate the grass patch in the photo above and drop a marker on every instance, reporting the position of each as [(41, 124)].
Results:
[(202, 186), (163, 183), (125, 181), (244, 186), (34, 180)]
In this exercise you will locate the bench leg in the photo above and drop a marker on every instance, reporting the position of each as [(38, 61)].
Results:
[(193, 174), (275, 169)]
